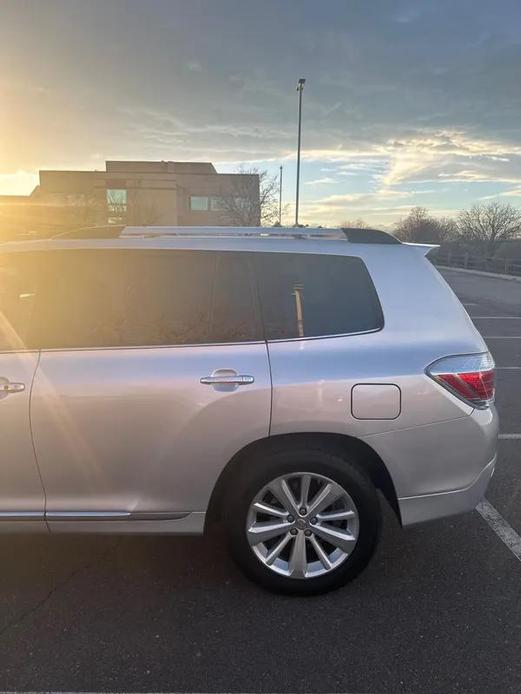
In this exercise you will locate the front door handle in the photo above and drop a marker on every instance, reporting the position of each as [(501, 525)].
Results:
[(228, 380), (11, 387)]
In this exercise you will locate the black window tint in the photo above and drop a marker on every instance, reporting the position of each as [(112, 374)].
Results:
[(133, 298), (117, 298), (311, 295), (17, 293), (234, 316)]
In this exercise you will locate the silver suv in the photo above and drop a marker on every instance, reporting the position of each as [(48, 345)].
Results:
[(154, 380)]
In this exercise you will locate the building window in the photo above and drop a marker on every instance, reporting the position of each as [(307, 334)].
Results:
[(116, 205), (199, 203)]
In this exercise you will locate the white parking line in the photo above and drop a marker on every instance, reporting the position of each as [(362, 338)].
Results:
[(507, 368), (499, 525), (496, 317), (509, 436), (502, 337)]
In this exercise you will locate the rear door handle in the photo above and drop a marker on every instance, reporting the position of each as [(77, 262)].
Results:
[(228, 379)]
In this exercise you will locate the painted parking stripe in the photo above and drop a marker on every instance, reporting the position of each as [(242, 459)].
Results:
[(509, 436), (502, 337), (496, 317), (503, 530), (508, 368)]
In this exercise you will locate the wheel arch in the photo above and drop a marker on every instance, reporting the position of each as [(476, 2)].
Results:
[(367, 458)]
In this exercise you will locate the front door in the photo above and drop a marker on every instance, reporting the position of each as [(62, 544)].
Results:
[(153, 373), (21, 492)]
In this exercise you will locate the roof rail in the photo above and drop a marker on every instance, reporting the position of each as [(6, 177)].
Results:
[(242, 232), (111, 231)]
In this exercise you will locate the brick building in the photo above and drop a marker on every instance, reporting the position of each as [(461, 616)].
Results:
[(133, 192)]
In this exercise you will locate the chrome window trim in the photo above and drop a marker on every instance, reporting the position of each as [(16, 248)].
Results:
[(324, 337), (123, 347)]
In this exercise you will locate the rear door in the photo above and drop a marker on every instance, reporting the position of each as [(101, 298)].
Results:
[(21, 491), (153, 373), (322, 316)]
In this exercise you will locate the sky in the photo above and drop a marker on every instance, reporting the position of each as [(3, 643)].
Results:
[(406, 102)]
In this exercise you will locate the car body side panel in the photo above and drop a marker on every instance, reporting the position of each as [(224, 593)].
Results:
[(21, 491), (313, 379), (134, 430), (439, 457), (437, 443)]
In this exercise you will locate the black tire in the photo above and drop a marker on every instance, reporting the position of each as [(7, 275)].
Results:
[(337, 466)]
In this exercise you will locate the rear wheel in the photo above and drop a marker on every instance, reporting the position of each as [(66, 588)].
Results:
[(303, 521)]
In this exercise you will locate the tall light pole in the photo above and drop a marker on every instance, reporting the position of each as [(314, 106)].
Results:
[(300, 89), (280, 197)]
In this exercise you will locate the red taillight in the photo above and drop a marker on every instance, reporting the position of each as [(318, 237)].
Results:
[(469, 376)]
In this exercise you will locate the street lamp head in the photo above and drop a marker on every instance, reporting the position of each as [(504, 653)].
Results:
[(300, 85)]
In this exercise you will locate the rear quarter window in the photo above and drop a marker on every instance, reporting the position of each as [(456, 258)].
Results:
[(304, 295)]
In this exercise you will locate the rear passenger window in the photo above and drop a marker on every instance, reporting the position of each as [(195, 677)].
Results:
[(142, 298), (304, 295), (233, 314)]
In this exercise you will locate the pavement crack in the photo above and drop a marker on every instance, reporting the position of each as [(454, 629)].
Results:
[(47, 597)]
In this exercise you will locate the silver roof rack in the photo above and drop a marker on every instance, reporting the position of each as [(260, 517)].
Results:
[(243, 232), (353, 235)]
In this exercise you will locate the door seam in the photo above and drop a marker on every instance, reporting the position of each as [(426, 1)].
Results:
[(32, 439), (271, 387)]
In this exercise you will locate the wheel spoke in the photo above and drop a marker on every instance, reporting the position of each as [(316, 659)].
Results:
[(320, 553), (298, 560), (261, 532), (335, 536), (335, 515), (270, 558), (305, 481), (261, 507), (281, 491), (324, 498)]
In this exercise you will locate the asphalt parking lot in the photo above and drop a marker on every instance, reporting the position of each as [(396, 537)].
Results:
[(438, 610)]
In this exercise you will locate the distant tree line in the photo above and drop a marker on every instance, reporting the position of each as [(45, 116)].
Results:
[(483, 227)]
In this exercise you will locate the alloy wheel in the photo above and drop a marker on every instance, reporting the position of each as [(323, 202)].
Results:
[(302, 525)]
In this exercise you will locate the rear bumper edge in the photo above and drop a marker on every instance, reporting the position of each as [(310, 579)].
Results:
[(417, 509)]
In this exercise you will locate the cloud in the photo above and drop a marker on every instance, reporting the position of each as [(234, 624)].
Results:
[(321, 181), (194, 66), (396, 97)]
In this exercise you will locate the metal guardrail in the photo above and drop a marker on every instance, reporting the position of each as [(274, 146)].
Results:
[(503, 266)]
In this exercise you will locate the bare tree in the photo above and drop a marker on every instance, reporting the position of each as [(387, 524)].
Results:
[(358, 223), (490, 225), (84, 210), (421, 227), (252, 199)]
